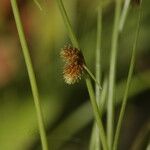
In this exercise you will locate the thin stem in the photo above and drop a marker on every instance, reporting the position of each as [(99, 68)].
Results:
[(102, 102), (124, 14), (92, 76), (112, 72), (98, 52), (97, 114), (95, 139), (129, 78), (88, 81), (71, 34), (31, 75)]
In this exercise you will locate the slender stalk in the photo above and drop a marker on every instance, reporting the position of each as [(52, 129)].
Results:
[(124, 14), (88, 81), (98, 53), (102, 102), (129, 78), (67, 23), (112, 72), (97, 114), (31, 75), (95, 139), (92, 76)]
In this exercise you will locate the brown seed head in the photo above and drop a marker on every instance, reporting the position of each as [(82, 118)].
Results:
[(74, 64), (70, 54)]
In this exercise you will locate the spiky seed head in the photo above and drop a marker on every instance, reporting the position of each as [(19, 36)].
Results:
[(70, 54), (72, 73), (74, 64)]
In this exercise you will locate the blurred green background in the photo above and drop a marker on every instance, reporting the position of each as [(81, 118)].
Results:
[(67, 111)]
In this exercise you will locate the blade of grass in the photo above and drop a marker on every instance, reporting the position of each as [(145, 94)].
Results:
[(125, 97), (97, 114), (31, 75), (67, 23), (112, 72), (87, 78), (98, 53), (94, 144), (124, 14), (95, 139)]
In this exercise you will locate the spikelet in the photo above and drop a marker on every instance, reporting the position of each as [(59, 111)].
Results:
[(74, 64)]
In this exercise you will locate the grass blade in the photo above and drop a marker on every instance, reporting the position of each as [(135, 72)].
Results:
[(97, 114), (31, 75), (95, 139), (124, 14), (112, 72), (129, 78), (67, 23)]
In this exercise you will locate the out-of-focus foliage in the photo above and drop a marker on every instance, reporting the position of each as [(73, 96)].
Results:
[(46, 34)]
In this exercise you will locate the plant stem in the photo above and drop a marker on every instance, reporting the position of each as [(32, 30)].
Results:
[(31, 75), (97, 114), (68, 24), (92, 76), (124, 14), (88, 81), (95, 139), (112, 72), (124, 102), (98, 53)]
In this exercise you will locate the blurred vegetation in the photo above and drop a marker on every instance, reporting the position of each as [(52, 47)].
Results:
[(66, 108)]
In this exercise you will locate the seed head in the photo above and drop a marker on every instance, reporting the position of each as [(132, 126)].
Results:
[(70, 54), (74, 64)]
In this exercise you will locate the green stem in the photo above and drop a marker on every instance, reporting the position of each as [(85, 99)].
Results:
[(88, 81), (31, 75), (92, 76), (124, 14), (95, 139), (97, 114), (98, 53), (112, 72), (124, 102), (68, 24)]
